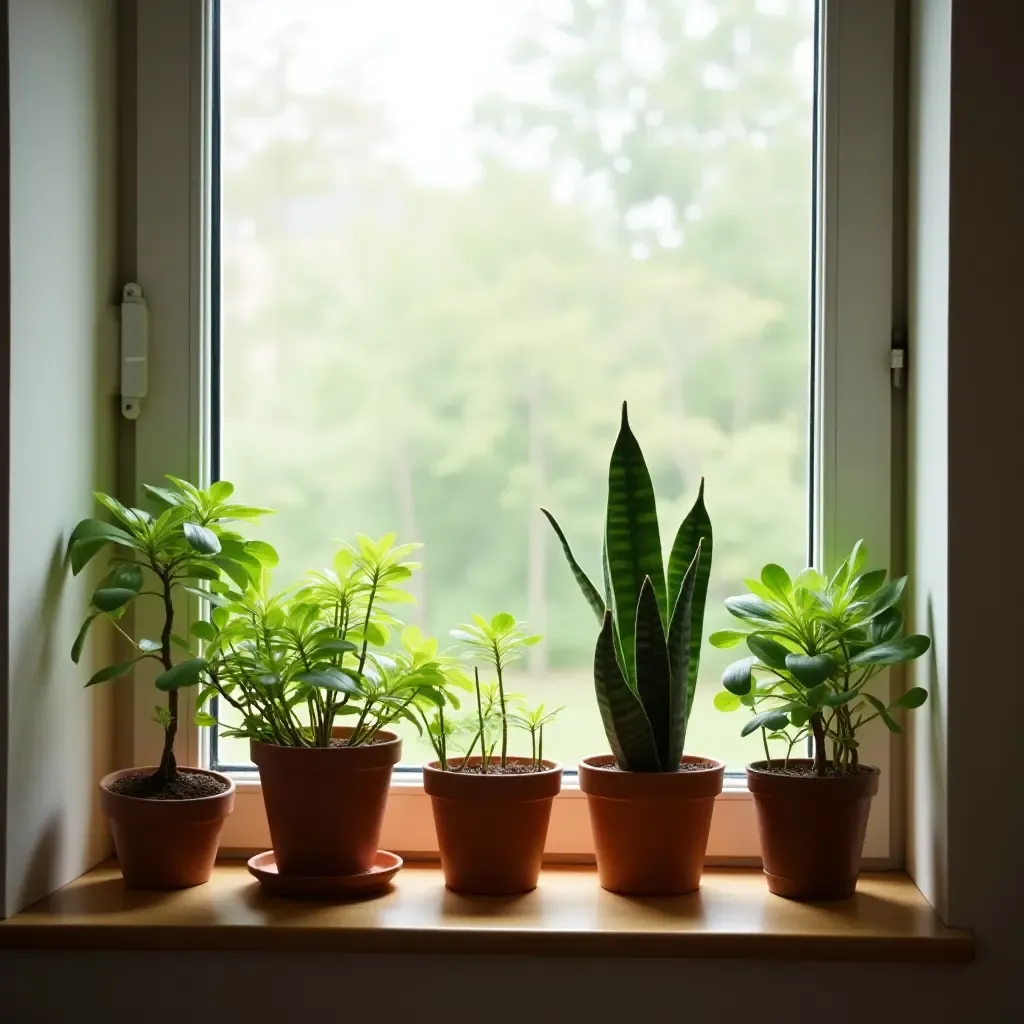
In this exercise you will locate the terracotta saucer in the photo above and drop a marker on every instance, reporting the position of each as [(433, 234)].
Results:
[(264, 868)]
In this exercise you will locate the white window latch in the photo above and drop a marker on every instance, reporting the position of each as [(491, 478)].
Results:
[(134, 351), (898, 357)]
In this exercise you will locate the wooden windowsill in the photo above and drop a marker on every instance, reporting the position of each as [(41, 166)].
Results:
[(733, 915)]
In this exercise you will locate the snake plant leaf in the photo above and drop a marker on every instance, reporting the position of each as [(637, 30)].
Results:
[(590, 592), (631, 532), (625, 722), (683, 657), (654, 684)]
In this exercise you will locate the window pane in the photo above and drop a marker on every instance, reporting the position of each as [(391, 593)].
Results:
[(457, 234)]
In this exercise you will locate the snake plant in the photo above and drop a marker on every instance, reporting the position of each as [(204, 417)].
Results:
[(652, 618)]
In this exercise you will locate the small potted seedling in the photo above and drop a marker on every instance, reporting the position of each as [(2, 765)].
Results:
[(491, 810), (650, 804), (165, 819), (815, 644)]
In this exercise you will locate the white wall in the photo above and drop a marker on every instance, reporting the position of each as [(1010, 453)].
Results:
[(63, 337)]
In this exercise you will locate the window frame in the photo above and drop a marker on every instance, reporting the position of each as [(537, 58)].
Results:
[(171, 208)]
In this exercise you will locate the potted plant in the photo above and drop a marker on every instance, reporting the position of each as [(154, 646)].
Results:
[(491, 810), (293, 666), (166, 819), (650, 804), (815, 643)]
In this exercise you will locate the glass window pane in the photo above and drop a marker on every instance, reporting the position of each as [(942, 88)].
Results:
[(457, 234)]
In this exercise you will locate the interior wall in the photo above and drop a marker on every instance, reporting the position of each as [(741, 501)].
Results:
[(63, 362)]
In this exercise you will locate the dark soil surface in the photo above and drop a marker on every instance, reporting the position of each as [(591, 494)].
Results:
[(806, 771), (184, 786), (685, 766), (496, 769), (335, 742)]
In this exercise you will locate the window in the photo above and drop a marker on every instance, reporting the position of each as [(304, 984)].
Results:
[(432, 246)]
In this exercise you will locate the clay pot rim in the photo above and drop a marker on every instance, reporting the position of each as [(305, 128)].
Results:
[(384, 753), (540, 785), (151, 801), (759, 780), (598, 778)]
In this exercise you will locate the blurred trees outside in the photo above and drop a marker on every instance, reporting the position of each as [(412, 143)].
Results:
[(441, 358)]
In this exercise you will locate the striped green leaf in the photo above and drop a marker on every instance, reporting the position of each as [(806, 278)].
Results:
[(631, 533), (625, 723), (683, 655), (590, 592), (653, 682)]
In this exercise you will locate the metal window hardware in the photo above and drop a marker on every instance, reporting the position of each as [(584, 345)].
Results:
[(898, 358), (134, 351)]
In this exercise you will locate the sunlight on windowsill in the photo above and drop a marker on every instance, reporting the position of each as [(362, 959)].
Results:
[(732, 916)]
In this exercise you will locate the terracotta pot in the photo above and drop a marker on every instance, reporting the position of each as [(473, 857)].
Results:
[(165, 844), (491, 828), (325, 806), (650, 828), (812, 829)]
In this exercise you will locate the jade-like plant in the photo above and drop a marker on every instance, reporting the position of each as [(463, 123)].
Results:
[(815, 643), (291, 665), (652, 616), (186, 544), (498, 642)]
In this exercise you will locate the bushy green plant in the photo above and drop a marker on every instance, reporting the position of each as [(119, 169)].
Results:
[(652, 618), (292, 664), (187, 543), (814, 644)]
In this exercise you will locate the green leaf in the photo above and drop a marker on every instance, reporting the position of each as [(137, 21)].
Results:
[(217, 600), (201, 570), (336, 646), (221, 491), (799, 716), (890, 723), (204, 719), (331, 678), (264, 553), (882, 600), (127, 576), (376, 634), (502, 623), (752, 609), (201, 538), (238, 573), (810, 579), (162, 495), (653, 683), (625, 723), (185, 673), (737, 678), (683, 657), (810, 669), (770, 720), (893, 652), (724, 638), (725, 701), (582, 579), (868, 583), (79, 644), (834, 700), (149, 646), (913, 698), (777, 580), (109, 599), (771, 652), (634, 543), (203, 630), (886, 625), (243, 512), (112, 672), (89, 537)]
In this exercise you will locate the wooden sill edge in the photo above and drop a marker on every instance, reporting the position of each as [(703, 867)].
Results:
[(733, 916)]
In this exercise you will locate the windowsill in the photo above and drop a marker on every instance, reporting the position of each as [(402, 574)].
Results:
[(732, 916)]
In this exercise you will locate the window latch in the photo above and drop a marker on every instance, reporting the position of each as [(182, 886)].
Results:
[(134, 351), (898, 358)]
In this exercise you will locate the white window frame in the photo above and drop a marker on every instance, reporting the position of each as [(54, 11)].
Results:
[(170, 210)]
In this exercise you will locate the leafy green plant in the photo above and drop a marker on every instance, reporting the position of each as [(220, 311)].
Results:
[(187, 543), (534, 721), (652, 617), (292, 664), (814, 645)]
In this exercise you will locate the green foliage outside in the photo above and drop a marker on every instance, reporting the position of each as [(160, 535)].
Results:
[(415, 347)]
